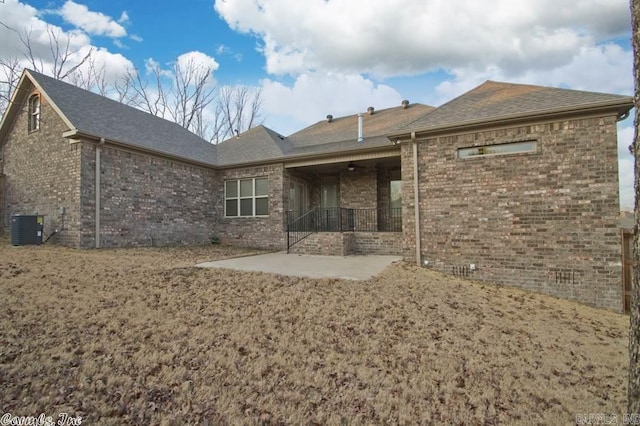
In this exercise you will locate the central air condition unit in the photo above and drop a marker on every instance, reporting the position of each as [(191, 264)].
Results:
[(26, 229)]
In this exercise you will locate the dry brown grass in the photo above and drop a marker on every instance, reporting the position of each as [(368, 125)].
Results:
[(140, 337)]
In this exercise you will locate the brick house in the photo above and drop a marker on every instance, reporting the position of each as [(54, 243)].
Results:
[(514, 184)]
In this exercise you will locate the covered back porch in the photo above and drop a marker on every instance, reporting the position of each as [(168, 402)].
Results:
[(350, 205)]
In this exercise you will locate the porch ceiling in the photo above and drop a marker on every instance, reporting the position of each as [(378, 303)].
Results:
[(395, 154), (341, 164)]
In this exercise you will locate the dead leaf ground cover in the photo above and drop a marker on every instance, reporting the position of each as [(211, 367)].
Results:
[(139, 336)]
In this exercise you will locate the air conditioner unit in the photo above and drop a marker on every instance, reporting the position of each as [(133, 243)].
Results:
[(26, 229)]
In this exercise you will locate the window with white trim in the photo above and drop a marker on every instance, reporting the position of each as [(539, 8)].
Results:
[(501, 149), (246, 197), (34, 113)]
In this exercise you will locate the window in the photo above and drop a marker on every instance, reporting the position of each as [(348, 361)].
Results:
[(502, 149), (246, 197), (34, 113), (395, 189), (395, 202)]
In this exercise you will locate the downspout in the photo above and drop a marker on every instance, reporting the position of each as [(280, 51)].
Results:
[(98, 150), (416, 197)]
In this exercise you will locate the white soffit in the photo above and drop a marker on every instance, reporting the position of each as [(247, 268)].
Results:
[(341, 159)]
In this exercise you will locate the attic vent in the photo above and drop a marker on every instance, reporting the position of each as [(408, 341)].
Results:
[(370, 110), (405, 104), (329, 118)]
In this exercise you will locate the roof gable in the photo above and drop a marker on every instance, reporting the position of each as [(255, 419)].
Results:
[(257, 143), (92, 115), (492, 101)]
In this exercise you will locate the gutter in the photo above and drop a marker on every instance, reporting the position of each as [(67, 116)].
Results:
[(416, 197), (621, 106), (285, 159), (75, 134)]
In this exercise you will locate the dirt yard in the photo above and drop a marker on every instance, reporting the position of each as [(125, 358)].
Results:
[(139, 336)]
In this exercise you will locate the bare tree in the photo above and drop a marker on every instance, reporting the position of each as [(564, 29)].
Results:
[(148, 98), (239, 109), (633, 405), (187, 95), (10, 70), (92, 77), (194, 91), (62, 61)]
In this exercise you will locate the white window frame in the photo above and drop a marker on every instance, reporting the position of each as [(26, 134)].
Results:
[(253, 197), (34, 112), (510, 148)]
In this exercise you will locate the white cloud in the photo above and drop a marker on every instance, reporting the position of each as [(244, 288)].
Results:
[(415, 36), (590, 69), (25, 21), (136, 37), (313, 95), (152, 66), (94, 23), (124, 17), (625, 167), (222, 49), (199, 59)]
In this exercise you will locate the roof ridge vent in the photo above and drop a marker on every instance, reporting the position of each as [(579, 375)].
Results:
[(405, 104), (329, 118)]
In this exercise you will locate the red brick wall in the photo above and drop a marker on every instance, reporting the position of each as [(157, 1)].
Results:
[(262, 232), (358, 189), (350, 243), (326, 244), (545, 221), (42, 175), (146, 200), (378, 243)]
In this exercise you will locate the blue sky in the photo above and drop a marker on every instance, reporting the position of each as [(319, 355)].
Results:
[(317, 57)]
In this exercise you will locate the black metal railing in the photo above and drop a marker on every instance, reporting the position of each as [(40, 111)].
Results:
[(339, 219), (299, 226)]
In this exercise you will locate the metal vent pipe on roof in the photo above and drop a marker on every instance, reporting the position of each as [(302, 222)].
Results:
[(360, 138), (371, 110), (405, 104), (329, 118)]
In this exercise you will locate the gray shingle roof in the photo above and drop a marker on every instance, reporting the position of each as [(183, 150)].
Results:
[(258, 143), (95, 115), (341, 134), (99, 116), (345, 129), (495, 100)]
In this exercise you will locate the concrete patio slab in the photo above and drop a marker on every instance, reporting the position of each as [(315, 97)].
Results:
[(306, 265)]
